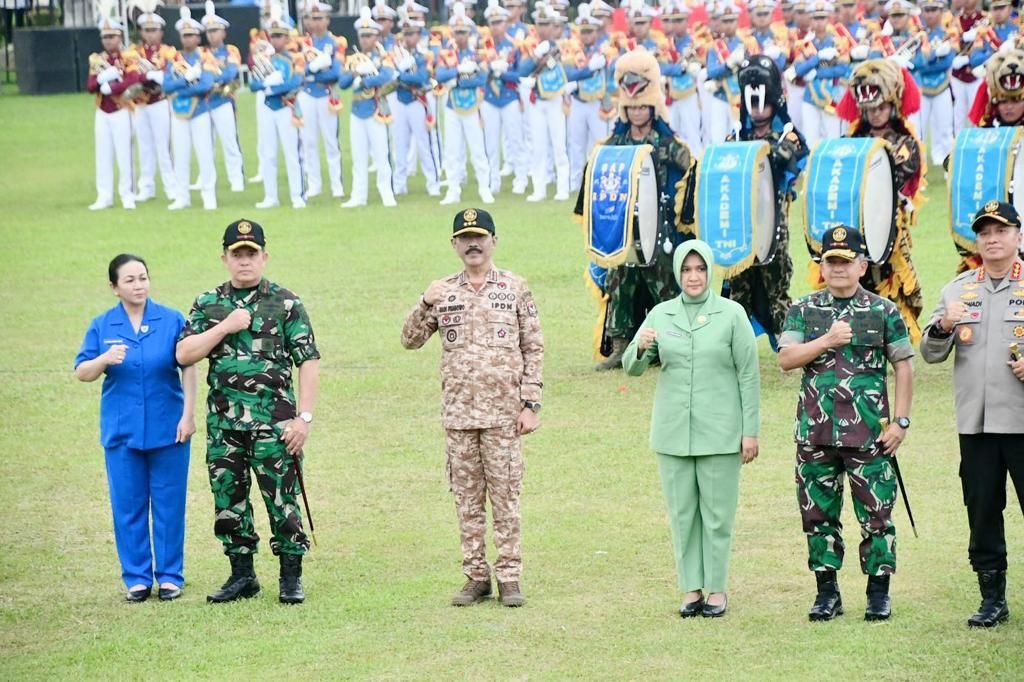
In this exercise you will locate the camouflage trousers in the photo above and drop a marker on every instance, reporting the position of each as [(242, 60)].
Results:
[(633, 291), (229, 456), (482, 464), (763, 290), (819, 480)]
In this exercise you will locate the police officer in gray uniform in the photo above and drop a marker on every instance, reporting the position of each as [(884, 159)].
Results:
[(981, 315)]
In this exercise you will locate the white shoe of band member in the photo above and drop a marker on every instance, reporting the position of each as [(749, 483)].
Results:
[(267, 203), (238, 188), (537, 197), (143, 197), (177, 205), (562, 196), (389, 202), (310, 195), (209, 201), (256, 180), (338, 192), (100, 205), (353, 203), (298, 203), (486, 196), (434, 192), (519, 187), (453, 196), (128, 204)]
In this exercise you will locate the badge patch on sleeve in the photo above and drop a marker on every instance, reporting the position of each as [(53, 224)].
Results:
[(531, 307)]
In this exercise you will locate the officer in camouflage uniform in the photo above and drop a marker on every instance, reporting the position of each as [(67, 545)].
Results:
[(842, 337), (492, 356), (633, 290), (254, 331), (763, 290)]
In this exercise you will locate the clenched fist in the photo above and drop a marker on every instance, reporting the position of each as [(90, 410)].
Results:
[(433, 293), (238, 320), (115, 354), (839, 334), (646, 338), (955, 312)]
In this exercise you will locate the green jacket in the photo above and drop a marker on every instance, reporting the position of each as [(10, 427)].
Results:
[(709, 390)]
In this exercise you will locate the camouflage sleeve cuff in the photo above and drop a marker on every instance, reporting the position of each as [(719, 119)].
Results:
[(530, 392), (302, 353), (899, 350), (790, 339)]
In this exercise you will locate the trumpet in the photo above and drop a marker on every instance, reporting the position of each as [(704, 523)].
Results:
[(908, 49), (262, 65)]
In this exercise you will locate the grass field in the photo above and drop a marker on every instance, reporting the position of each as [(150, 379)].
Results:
[(598, 563)]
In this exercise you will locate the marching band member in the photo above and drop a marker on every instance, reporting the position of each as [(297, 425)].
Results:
[(724, 57), (413, 125), (640, 15), (278, 76), (998, 34), (188, 80), (385, 16), (367, 72), (964, 84), (517, 29), (681, 69), (259, 43), (222, 97), (763, 290), (932, 65), (855, 30), (872, 10), (502, 117), (109, 78), (772, 39), (605, 12), (542, 75), (462, 127), (795, 85), (899, 34), (587, 123), (151, 116), (881, 98), (820, 64), (1000, 99), (320, 108)]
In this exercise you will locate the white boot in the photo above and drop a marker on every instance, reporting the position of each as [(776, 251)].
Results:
[(267, 203), (101, 204), (453, 196), (485, 195), (210, 201)]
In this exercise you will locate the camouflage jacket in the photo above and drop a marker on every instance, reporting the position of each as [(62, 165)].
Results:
[(843, 395), (250, 374), (492, 349), (905, 153)]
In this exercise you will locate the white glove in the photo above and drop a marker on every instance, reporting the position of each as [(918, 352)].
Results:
[(960, 61), (357, 82), (902, 61), (273, 80), (693, 68), (541, 50), (790, 74), (969, 36), (321, 63), (859, 53), (597, 62), (942, 49), (711, 86), (735, 58), (772, 51), (886, 29), (467, 67), (527, 83), (499, 67), (1008, 46), (194, 73), (365, 68), (407, 63), (105, 89), (810, 75), (155, 77), (827, 54), (571, 87), (107, 75)]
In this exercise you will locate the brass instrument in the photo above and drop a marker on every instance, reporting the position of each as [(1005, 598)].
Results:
[(908, 49), (98, 64), (262, 66)]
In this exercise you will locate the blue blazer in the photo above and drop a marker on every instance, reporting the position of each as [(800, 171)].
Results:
[(142, 398)]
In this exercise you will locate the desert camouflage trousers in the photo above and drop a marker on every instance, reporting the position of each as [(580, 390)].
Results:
[(487, 464), (229, 456), (819, 481)]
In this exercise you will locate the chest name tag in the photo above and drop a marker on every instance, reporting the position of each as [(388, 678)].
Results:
[(674, 333)]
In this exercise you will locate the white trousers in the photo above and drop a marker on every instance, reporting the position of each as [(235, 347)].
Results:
[(225, 123), (262, 122), (684, 117), (935, 121), (369, 137), (409, 126), (279, 131), (585, 129), (113, 134), (189, 134), (963, 100), (461, 131), (153, 135), (818, 125), (318, 121), (503, 127), (547, 135), (795, 100), (720, 121)]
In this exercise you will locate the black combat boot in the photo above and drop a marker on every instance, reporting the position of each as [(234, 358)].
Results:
[(614, 360), (828, 604), (879, 606), (993, 609), (291, 580), (241, 583)]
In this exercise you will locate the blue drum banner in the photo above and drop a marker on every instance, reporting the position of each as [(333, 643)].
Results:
[(610, 202), (981, 165), (835, 185)]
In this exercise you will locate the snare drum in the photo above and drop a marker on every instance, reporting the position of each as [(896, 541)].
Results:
[(849, 181), (986, 165), (736, 207), (621, 207)]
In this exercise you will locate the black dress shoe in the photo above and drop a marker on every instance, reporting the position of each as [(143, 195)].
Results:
[(136, 596), (169, 593), (692, 609), (712, 611), (241, 584)]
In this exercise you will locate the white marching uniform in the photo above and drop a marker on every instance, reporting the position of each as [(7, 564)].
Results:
[(320, 115), (280, 130), (415, 137), (223, 115), (547, 123), (191, 128), (462, 126), (368, 128), (153, 135)]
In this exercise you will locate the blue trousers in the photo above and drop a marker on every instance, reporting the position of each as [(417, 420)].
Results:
[(141, 482)]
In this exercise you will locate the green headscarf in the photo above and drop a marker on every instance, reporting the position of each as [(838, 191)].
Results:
[(702, 249)]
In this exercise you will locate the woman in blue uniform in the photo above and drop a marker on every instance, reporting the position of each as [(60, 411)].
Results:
[(146, 419)]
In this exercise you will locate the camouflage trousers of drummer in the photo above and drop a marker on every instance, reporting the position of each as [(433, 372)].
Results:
[(763, 290), (819, 480), (482, 464), (230, 456), (633, 291)]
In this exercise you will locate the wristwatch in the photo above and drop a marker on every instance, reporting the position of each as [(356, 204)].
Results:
[(903, 423), (306, 417), (532, 405)]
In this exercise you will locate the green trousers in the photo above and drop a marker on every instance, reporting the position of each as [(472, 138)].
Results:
[(702, 494)]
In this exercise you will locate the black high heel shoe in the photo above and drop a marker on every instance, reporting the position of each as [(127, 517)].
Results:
[(711, 611)]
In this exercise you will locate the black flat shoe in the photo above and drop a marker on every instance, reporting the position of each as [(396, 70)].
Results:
[(711, 611), (692, 609), (169, 593), (136, 596)]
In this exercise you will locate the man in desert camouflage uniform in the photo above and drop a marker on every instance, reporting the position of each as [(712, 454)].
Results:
[(253, 331), (492, 356), (842, 338)]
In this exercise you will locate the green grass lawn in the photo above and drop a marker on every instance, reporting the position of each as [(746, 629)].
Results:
[(598, 563)]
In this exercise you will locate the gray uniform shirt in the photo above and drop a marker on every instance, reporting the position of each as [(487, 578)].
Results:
[(989, 398)]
